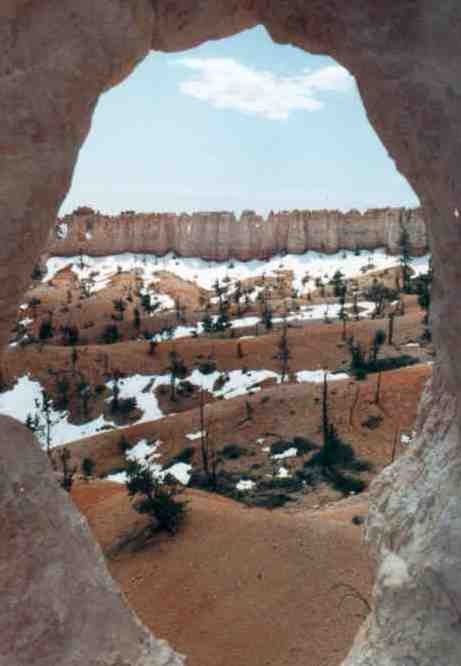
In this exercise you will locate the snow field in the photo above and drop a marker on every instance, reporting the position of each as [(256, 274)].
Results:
[(22, 400)]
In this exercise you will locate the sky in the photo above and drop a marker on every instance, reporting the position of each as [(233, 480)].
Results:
[(236, 124)]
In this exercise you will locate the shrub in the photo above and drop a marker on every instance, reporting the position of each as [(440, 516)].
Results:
[(346, 484), (123, 445), (279, 447), (290, 484), (157, 499), (372, 422), (124, 406), (207, 367), (184, 456), (46, 330), (110, 335), (87, 467), (334, 452), (304, 445), (38, 272), (334, 456), (70, 335), (272, 501), (233, 451), (185, 388), (220, 382), (393, 363), (222, 323), (311, 476)]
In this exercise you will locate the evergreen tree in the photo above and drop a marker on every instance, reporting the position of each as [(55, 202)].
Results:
[(46, 330), (378, 341), (42, 421), (283, 353), (237, 295), (119, 307), (266, 316), (343, 316), (390, 327), (87, 466), (156, 499), (358, 361), (207, 323), (136, 319), (405, 259), (338, 283), (177, 370), (219, 291)]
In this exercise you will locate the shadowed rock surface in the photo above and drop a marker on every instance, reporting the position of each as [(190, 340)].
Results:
[(59, 603), (57, 57)]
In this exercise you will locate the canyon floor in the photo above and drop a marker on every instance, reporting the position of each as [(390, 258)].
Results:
[(238, 582)]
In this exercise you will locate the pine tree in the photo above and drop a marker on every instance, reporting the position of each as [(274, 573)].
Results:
[(390, 327), (136, 319), (177, 370), (157, 499), (283, 353), (378, 340), (338, 284), (343, 316), (405, 259)]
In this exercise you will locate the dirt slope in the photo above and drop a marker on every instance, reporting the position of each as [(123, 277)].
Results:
[(238, 585)]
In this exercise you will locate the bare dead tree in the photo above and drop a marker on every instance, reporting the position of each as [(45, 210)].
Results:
[(378, 389), (396, 442), (354, 405), (207, 445)]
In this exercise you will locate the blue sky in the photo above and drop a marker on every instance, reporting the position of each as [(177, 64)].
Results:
[(239, 123)]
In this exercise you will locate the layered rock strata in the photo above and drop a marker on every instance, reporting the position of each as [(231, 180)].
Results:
[(220, 236)]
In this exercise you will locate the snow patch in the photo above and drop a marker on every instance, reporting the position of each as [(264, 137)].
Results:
[(317, 376), (244, 485), (195, 435), (289, 453), (283, 473)]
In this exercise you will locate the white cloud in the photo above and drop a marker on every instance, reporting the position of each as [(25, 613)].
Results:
[(227, 84)]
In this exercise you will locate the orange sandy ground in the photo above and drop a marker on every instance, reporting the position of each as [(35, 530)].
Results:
[(238, 585)]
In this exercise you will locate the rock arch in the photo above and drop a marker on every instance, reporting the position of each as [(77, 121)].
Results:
[(58, 56)]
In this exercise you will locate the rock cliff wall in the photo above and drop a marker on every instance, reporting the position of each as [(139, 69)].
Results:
[(219, 236)]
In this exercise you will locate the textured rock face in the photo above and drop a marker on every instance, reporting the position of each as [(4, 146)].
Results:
[(55, 586), (220, 236), (57, 56), (415, 529)]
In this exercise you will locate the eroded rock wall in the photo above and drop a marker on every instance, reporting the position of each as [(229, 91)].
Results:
[(220, 236)]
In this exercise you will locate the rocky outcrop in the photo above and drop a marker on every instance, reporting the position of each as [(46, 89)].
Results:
[(59, 603), (57, 57), (414, 528), (221, 236)]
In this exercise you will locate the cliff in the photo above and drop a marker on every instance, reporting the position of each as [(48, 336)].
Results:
[(220, 235)]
